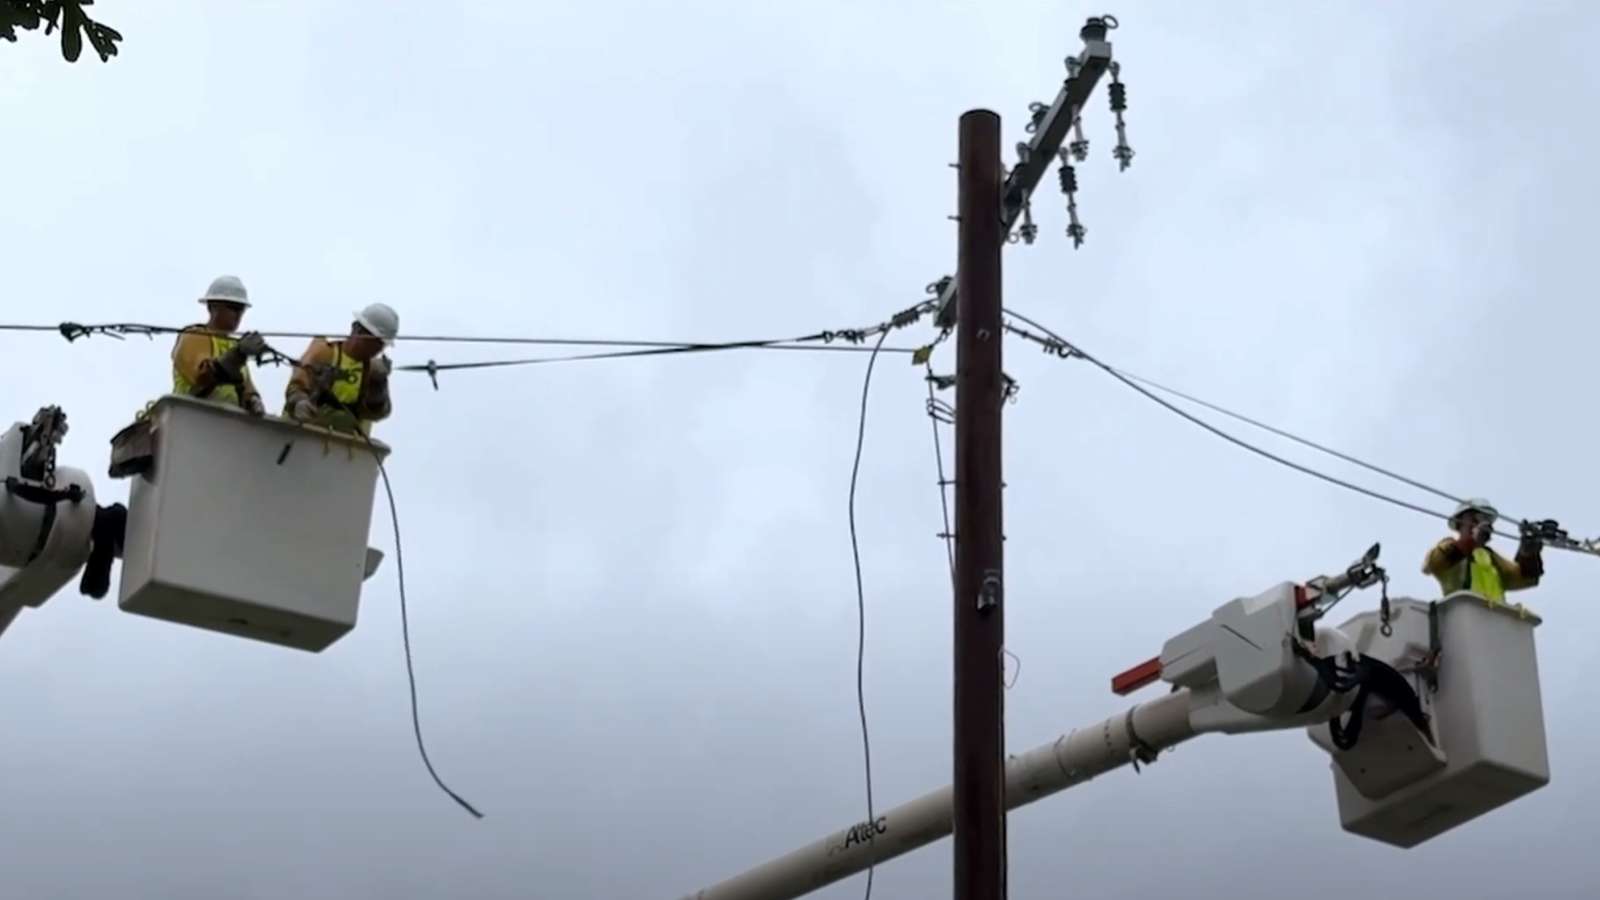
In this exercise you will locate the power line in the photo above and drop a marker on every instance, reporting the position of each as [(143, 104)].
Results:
[(1294, 437), (1062, 347), (433, 368), (405, 633), (1078, 351), (73, 331), (861, 602)]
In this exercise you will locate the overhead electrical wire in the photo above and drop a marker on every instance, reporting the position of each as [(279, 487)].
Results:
[(820, 342), (861, 601), (73, 330), (432, 368), (1294, 437), (1066, 348), (405, 635)]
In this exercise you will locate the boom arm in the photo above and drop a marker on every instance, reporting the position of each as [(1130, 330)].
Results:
[(1247, 668), (47, 515), (1071, 759)]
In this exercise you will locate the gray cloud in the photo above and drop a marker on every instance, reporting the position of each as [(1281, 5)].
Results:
[(631, 589)]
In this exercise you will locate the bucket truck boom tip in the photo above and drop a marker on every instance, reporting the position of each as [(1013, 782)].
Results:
[(1429, 711)]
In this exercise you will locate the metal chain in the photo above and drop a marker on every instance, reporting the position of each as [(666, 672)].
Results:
[(41, 436), (1384, 612), (51, 438)]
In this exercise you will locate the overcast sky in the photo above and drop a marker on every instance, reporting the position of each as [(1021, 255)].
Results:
[(631, 590)]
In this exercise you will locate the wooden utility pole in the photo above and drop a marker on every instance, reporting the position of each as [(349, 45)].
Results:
[(979, 782)]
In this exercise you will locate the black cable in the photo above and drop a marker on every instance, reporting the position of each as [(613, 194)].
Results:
[(405, 632), (1064, 348), (861, 607), (73, 331), (433, 367), (1294, 437), (1225, 435), (944, 495)]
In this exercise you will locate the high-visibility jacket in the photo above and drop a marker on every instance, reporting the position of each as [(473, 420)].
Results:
[(345, 394), (192, 348), (351, 373), (1483, 572)]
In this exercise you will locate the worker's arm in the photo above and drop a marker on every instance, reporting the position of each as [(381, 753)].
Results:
[(249, 397), (374, 403), (302, 384), (1524, 571), (192, 359), (1445, 554)]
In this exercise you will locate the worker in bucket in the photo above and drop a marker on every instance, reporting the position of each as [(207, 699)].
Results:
[(344, 384), (208, 361), (1466, 563)]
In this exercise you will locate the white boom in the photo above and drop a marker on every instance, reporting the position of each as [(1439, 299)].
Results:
[(47, 515), (1436, 753)]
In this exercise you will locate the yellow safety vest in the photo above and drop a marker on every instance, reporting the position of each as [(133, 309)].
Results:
[(1477, 574), (221, 393), (347, 387), (345, 391)]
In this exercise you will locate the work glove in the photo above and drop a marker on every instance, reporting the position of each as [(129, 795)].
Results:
[(323, 376), (229, 367), (303, 409), (254, 406), (378, 370), (251, 345)]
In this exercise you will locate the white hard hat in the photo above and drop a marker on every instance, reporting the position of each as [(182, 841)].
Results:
[(1475, 504), (227, 289), (381, 320)]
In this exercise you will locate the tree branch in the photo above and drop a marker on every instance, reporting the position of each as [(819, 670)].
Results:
[(68, 17)]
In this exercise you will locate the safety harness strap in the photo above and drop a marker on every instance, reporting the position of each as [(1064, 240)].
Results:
[(47, 498)]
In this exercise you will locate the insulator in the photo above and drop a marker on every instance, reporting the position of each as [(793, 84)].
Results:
[(1069, 179), (1119, 96)]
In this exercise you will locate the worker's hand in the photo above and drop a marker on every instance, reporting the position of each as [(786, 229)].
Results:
[(252, 344), (303, 409), (323, 375), (378, 370), (254, 406)]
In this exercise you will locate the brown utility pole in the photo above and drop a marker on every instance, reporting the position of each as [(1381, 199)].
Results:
[(979, 782)]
